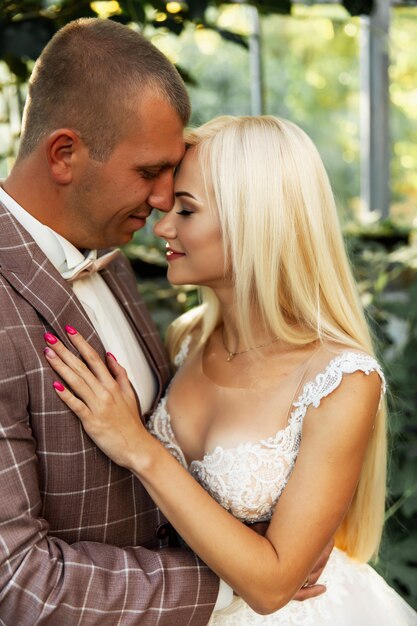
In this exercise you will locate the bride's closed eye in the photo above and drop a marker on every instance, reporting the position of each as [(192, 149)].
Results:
[(184, 212)]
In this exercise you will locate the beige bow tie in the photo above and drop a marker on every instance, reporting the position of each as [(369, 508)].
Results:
[(89, 266)]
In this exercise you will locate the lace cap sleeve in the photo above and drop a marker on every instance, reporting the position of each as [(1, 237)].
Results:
[(182, 353), (330, 378)]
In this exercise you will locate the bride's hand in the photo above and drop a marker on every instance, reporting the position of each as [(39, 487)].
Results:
[(101, 396)]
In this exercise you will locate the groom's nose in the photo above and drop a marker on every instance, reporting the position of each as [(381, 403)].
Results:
[(162, 194)]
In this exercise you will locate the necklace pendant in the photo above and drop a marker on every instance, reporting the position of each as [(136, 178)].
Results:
[(231, 355)]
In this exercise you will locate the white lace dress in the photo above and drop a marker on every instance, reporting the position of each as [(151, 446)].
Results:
[(247, 480)]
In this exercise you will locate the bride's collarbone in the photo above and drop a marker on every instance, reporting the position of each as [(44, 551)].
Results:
[(204, 416), (254, 373)]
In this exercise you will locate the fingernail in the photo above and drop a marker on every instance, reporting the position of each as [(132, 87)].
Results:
[(49, 353), (111, 356), (50, 338), (71, 330), (58, 386)]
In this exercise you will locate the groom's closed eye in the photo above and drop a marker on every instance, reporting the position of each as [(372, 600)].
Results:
[(150, 174)]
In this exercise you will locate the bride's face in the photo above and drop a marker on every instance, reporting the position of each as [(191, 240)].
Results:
[(192, 230)]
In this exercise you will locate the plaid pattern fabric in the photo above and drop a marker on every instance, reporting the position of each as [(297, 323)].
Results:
[(78, 540)]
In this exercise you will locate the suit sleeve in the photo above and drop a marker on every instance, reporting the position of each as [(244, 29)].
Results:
[(44, 580)]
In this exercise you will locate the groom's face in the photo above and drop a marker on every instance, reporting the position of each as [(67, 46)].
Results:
[(110, 200)]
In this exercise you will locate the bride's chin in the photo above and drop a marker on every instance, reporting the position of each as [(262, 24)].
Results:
[(176, 280)]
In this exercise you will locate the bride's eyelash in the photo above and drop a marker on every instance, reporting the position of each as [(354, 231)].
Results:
[(184, 212)]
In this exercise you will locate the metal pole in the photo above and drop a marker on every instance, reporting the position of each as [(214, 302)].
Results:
[(374, 111), (255, 57)]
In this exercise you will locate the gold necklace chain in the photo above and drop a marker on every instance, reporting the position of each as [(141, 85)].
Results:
[(231, 355)]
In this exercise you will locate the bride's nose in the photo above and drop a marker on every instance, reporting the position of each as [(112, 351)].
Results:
[(165, 228)]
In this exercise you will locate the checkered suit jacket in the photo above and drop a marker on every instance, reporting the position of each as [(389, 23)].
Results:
[(78, 534)]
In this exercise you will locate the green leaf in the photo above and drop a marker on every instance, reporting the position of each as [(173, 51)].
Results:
[(134, 10), (26, 38), (233, 37), (18, 67)]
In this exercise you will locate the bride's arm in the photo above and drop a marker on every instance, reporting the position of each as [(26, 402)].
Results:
[(264, 571)]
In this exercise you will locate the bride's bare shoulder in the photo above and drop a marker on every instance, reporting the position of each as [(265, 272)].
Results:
[(329, 353)]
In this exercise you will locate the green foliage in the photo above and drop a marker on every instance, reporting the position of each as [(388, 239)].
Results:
[(385, 264), (27, 25), (400, 549)]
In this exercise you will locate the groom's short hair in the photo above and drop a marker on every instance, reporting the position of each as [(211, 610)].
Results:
[(89, 77)]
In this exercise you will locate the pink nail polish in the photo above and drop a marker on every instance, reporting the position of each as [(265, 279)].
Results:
[(49, 353), (71, 330), (58, 386), (111, 356), (50, 338)]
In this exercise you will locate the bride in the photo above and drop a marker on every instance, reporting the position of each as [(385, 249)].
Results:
[(276, 412)]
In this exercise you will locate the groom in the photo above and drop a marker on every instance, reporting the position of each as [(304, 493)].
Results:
[(81, 542)]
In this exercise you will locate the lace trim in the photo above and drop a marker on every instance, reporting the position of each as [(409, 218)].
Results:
[(248, 479), (159, 425), (327, 381), (183, 352)]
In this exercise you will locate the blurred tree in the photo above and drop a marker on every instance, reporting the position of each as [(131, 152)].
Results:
[(27, 25)]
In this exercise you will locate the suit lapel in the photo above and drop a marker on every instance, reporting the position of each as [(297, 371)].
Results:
[(28, 271)]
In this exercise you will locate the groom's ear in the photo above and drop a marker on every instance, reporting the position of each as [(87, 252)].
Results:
[(62, 148)]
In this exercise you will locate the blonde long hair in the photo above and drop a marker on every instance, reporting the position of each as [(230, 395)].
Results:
[(283, 239)]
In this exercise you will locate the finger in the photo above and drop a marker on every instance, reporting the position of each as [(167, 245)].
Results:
[(77, 383), (321, 562), (125, 386), (314, 576), (119, 374), (75, 404), (92, 359), (70, 359), (326, 553), (316, 571), (305, 593)]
